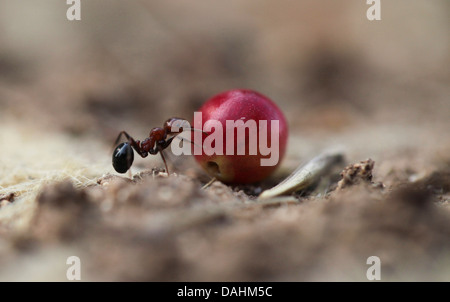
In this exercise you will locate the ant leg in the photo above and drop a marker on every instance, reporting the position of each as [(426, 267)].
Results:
[(188, 140), (169, 141), (128, 137), (135, 144), (160, 146), (166, 143), (164, 160), (194, 129), (185, 130), (184, 138)]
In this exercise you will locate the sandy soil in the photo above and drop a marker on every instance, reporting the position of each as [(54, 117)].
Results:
[(378, 90)]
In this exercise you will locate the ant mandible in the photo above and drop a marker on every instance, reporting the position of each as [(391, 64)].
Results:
[(156, 141)]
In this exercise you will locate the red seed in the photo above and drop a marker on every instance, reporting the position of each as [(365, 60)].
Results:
[(245, 105)]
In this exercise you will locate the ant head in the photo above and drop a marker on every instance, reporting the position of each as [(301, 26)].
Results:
[(123, 157)]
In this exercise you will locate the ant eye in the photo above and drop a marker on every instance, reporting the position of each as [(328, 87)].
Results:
[(122, 158)]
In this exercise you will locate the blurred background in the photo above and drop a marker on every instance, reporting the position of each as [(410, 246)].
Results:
[(378, 88), (132, 65)]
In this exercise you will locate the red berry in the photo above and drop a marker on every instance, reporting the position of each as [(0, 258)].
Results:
[(247, 106)]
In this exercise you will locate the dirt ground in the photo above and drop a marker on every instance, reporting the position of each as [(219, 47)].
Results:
[(378, 90)]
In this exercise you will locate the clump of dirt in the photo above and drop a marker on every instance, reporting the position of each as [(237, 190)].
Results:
[(357, 173), (6, 199), (63, 213)]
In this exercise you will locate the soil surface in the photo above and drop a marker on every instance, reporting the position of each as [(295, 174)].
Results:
[(378, 90)]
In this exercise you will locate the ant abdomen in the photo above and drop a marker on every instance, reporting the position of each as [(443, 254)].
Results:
[(123, 157)]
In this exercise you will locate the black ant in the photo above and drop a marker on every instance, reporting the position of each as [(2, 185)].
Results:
[(156, 141)]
